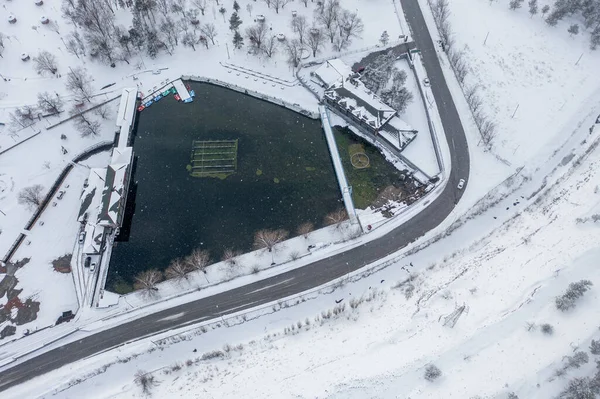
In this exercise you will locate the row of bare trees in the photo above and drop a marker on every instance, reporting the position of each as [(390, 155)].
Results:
[(199, 260), (486, 126)]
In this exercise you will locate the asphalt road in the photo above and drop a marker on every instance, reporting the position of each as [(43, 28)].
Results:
[(294, 281)]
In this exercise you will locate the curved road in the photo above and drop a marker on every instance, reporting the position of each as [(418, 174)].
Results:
[(294, 281)]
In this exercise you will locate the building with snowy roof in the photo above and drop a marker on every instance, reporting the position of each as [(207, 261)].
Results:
[(345, 92), (115, 189)]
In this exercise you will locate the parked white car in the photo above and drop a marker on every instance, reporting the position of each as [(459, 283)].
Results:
[(426, 82), (461, 184)]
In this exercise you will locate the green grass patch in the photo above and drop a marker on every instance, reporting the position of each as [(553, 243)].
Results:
[(369, 182), (121, 287)]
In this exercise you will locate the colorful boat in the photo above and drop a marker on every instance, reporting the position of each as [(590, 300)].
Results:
[(141, 108), (188, 100), (166, 92), (158, 97), (177, 96), (192, 93), (148, 103)]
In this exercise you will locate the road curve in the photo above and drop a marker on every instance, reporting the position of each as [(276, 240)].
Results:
[(294, 281)]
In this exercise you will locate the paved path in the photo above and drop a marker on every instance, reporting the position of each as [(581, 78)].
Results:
[(294, 281)]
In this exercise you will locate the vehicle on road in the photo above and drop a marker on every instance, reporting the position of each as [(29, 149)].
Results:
[(93, 266), (81, 237), (87, 262), (85, 183), (60, 194), (426, 82), (461, 184)]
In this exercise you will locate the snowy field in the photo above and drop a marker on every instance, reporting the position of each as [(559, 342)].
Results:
[(539, 74), (504, 266)]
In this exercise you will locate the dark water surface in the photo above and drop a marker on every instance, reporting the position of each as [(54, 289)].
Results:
[(284, 178)]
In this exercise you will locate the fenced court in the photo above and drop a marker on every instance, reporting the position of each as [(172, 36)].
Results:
[(213, 158)]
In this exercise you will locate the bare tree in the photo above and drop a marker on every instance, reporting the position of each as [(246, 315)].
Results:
[(147, 280), (179, 6), (327, 15), (210, 31), (201, 4), (293, 49), (51, 104), (31, 196), (198, 260), (74, 44), (189, 39), (170, 32), (305, 2), (45, 62), (350, 25), (270, 46), (249, 8), (146, 381), (257, 35), (102, 111), (86, 125), (78, 83), (299, 26), (230, 255), (315, 40), (269, 238), (277, 4), (177, 270), (22, 117), (336, 217), (341, 42), (305, 229)]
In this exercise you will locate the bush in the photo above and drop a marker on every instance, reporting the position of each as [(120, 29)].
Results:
[(432, 372), (512, 395), (547, 329), (213, 355), (574, 292), (578, 388), (577, 360)]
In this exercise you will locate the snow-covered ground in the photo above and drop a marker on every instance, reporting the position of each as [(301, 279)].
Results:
[(525, 68)]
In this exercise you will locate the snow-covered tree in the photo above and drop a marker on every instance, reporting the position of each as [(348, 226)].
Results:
[(179, 6), (432, 372), (238, 40), (270, 46), (350, 25), (145, 381), (299, 26), (230, 256), (573, 29), (256, 35), (74, 44), (79, 83), (234, 21), (51, 104), (45, 62), (545, 10), (189, 39), (222, 11), (315, 40), (385, 38), (278, 4), (267, 239), (574, 292), (578, 388), (86, 125), (514, 4), (533, 7), (595, 38), (236, 6), (31, 196), (209, 31), (249, 8), (201, 4), (327, 16), (293, 50), (595, 347)]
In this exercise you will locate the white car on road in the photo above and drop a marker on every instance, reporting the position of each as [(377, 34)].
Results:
[(461, 184)]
